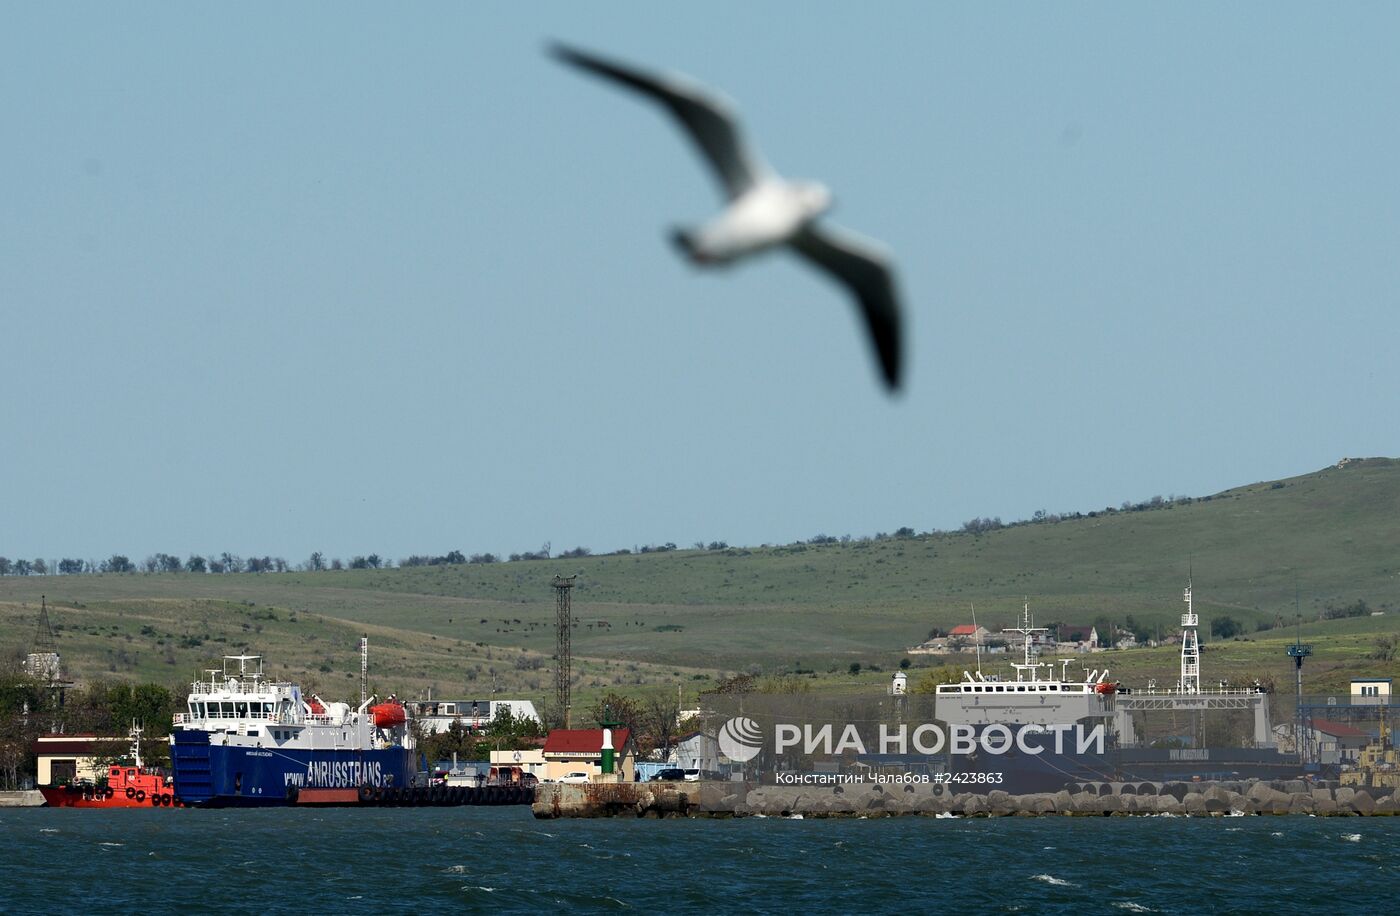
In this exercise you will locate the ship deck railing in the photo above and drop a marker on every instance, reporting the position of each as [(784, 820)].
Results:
[(1219, 691)]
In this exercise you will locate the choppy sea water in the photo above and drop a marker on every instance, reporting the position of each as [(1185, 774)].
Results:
[(501, 859)]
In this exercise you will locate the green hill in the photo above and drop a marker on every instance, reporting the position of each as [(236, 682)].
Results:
[(1330, 537)]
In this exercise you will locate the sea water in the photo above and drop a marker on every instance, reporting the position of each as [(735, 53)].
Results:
[(348, 861)]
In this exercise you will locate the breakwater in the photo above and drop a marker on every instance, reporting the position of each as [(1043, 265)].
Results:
[(736, 799), (25, 798)]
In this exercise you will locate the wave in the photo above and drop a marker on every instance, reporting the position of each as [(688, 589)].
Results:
[(1052, 880)]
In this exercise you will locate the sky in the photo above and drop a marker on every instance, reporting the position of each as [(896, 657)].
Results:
[(277, 279)]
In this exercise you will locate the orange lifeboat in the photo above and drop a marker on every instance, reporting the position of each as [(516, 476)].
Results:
[(388, 715), (1106, 689)]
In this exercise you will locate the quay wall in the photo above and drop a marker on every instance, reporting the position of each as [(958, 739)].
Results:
[(736, 799), (27, 798)]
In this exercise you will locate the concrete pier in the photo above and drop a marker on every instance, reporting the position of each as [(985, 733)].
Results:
[(736, 799), (26, 798)]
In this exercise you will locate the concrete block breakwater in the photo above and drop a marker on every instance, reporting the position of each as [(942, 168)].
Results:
[(730, 799)]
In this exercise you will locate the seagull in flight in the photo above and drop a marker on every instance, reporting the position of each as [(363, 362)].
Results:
[(764, 210)]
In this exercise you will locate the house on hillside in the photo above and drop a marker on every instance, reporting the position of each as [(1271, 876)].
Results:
[(1077, 637), (966, 637)]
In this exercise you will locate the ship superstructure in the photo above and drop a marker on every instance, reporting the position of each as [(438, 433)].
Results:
[(246, 740), (1035, 697), (1038, 699)]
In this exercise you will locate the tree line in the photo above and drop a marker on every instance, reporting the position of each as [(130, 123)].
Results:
[(232, 563)]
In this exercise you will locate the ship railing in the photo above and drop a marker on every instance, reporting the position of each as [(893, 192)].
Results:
[(1226, 691), (261, 688), (184, 718)]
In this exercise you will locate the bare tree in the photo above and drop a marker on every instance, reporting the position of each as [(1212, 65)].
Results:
[(663, 712)]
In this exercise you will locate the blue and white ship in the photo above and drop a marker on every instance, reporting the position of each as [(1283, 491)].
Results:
[(246, 741)]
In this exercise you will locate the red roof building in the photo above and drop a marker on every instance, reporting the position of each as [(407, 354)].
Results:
[(76, 756), (574, 741), (569, 752), (1339, 729)]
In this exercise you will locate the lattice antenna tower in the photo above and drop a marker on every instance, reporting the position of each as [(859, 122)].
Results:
[(43, 661), (563, 644), (43, 630)]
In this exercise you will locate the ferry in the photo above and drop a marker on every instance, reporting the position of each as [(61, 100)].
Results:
[(246, 741), (1056, 711), (128, 786)]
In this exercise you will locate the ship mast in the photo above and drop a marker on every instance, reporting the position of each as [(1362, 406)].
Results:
[(1030, 649), (1190, 648), (364, 669)]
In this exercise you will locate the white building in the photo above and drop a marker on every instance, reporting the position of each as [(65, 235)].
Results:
[(531, 760), (696, 751), (1370, 691), (437, 716)]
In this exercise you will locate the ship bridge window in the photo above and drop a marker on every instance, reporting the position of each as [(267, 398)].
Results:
[(227, 708), (267, 709), (1021, 689), (1054, 686), (241, 710)]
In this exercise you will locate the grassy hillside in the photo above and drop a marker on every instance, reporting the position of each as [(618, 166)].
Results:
[(659, 618)]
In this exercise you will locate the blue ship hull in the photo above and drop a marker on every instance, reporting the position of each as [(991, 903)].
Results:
[(223, 776)]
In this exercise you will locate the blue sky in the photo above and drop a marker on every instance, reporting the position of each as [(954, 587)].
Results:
[(332, 277)]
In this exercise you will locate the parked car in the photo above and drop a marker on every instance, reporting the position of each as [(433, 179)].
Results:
[(692, 775), (670, 774), (575, 777)]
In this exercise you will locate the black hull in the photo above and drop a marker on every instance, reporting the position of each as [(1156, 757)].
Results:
[(1019, 773)]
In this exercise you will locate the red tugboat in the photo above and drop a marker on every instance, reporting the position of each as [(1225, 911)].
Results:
[(128, 786)]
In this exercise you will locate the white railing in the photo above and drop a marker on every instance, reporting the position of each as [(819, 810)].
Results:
[(1224, 691)]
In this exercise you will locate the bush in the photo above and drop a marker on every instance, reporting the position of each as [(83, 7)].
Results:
[(1225, 627)]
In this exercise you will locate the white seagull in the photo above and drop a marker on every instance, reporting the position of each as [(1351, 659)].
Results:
[(765, 210)]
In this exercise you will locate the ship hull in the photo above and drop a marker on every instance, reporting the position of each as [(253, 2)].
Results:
[(93, 797), (1019, 773), (211, 775)]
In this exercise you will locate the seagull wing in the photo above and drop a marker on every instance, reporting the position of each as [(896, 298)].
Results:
[(861, 265), (707, 119)]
